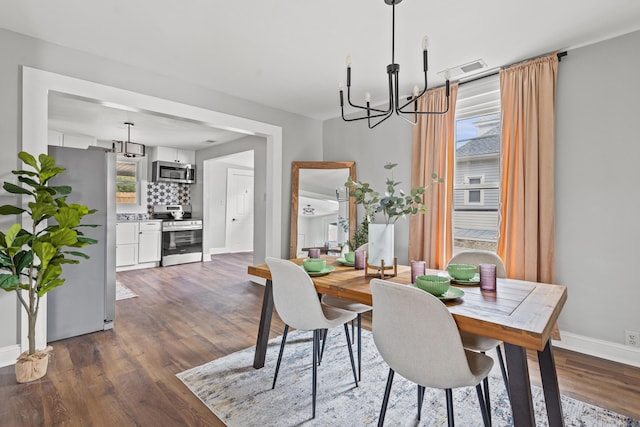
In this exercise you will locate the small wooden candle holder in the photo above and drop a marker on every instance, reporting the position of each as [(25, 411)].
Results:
[(380, 271)]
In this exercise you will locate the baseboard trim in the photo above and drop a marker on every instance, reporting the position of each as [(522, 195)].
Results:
[(599, 348), (9, 355)]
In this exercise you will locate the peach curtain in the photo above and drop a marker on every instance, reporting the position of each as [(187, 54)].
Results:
[(526, 239), (433, 151)]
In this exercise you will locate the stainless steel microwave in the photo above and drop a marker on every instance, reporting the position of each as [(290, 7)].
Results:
[(173, 172)]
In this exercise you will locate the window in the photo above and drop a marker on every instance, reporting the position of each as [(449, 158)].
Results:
[(474, 195), (126, 182), (477, 166)]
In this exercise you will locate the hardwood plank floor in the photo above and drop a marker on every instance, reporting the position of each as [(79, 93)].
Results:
[(187, 315)]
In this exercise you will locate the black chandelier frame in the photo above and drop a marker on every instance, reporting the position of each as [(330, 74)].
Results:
[(393, 71)]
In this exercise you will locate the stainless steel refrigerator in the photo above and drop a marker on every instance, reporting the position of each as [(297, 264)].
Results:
[(86, 302)]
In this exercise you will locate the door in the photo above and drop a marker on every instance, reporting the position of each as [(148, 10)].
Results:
[(239, 218)]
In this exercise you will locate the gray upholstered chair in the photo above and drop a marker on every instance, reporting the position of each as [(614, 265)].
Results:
[(478, 342), (297, 304), (356, 308), (418, 338)]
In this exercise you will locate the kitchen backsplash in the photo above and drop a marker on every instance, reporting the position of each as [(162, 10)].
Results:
[(167, 193)]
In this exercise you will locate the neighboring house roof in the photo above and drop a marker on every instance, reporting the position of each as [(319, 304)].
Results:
[(481, 146)]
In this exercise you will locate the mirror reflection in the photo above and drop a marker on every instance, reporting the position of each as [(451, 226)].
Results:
[(322, 214)]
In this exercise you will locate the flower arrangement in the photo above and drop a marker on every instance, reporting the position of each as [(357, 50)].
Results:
[(394, 203)]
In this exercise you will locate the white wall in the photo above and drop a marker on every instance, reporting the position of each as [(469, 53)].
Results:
[(301, 136), (597, 195)]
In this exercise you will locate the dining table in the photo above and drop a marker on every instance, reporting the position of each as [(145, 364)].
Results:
[(521, 314)]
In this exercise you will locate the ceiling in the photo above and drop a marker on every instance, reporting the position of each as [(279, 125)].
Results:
[(290, 55)]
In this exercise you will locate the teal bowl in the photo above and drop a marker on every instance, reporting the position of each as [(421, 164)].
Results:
[(314, 265), (462, 271), (435, 285)]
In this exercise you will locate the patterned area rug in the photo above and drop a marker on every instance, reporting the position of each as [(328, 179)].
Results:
[(122, 292), (241, 395)]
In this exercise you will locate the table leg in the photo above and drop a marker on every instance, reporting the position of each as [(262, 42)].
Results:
[(265, 325), (550, 386), (519, 386)]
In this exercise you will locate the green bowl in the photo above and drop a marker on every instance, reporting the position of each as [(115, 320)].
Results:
[(350, 257), (314, 265), (435, 285), (462, 271)]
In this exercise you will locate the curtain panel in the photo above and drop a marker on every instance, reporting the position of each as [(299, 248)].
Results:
[(433, 142), (526, 240)]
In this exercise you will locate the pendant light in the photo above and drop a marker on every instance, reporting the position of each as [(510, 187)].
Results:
[(393, 71)]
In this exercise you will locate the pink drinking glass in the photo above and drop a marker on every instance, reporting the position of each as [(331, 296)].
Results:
[(418, 268), (487, 277)]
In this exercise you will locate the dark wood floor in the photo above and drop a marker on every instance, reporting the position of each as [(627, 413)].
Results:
[(187, 315)]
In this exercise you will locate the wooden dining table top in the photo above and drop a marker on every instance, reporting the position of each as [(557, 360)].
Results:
[(519, 312)]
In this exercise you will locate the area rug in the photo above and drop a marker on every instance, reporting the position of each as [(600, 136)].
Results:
[(122, 292), (242, 396)]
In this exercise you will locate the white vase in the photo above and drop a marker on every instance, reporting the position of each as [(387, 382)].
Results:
[(381, 244)]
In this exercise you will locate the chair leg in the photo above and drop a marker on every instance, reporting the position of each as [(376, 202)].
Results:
[(486, 418), (385, 399), (487, 401), (359, 347), (449, 407), (353, 365), (316, 345), (420, 400), (325, 334), (353, 332), (505, 377), (284, 339)]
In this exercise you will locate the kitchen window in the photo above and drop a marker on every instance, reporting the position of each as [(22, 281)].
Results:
[(127, 183), (476, 189)]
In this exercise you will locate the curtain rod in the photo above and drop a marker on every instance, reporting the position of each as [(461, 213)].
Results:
[(560, 56)]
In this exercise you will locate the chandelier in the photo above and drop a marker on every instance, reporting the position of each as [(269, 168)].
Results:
[(393, 70)]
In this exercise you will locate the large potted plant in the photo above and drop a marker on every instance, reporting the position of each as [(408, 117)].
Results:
[(393, 204), (33, 257)]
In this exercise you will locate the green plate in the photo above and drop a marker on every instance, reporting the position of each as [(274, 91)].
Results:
[(328, 269), (451, 294), (345, 262), (475, 280)]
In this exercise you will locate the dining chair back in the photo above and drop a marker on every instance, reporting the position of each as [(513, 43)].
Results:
[(421, 342), (475, 257)]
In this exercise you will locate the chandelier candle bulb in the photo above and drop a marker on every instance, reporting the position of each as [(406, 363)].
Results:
[(416, 91), (348, 60), (425, 43), (367, 97)]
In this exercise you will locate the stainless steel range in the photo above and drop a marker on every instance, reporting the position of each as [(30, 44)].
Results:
[(181, 234)]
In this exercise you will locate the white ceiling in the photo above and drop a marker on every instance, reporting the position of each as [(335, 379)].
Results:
[(291, 54)]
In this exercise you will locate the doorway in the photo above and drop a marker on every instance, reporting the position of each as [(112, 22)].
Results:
[(229, 193), (36, 86)]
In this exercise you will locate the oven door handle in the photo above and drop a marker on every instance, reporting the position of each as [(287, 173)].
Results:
[(185, 228)]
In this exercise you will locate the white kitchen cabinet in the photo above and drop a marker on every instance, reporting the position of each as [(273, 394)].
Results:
[(170, 154), (149, 241), (126, 243)]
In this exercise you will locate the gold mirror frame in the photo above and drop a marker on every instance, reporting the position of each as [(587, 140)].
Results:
[(295, 186)]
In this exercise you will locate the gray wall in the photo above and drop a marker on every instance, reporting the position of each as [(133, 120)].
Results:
[(302, 137), (597, 196), (371, 149)]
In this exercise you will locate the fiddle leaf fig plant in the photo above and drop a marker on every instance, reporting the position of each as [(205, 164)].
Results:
[(32, 258)]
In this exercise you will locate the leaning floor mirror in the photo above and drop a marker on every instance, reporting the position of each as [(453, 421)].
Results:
[(322, 213)]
